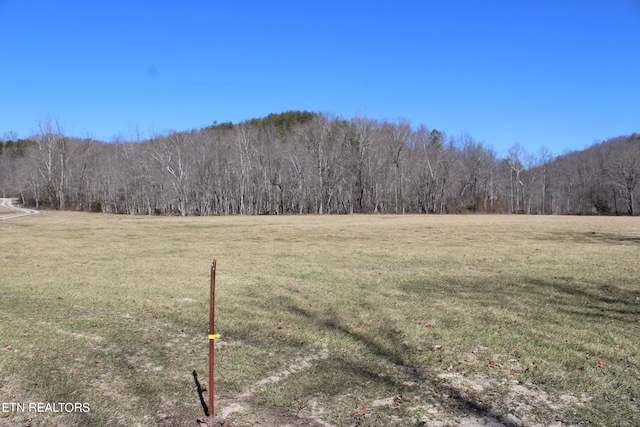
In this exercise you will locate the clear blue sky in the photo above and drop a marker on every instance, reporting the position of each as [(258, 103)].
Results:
[(560, 74)]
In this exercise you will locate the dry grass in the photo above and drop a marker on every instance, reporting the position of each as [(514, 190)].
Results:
[(341, 320), (4, 210)]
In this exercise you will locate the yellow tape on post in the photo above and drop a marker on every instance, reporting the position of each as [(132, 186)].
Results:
[(214, 336)]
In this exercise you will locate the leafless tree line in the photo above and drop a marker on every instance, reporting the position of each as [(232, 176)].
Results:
[(321, 165)]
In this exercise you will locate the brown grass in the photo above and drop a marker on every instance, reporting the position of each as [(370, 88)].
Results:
[(341, 320)]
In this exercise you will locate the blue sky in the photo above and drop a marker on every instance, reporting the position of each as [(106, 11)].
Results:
[(559, 74)]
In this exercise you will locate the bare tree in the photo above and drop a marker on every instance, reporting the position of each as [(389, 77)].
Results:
[(544, 159), (302, 162), (516, 167), (49, 161), (624, 171)]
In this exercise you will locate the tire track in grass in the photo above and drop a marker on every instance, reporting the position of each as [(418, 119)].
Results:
[(243, 402)]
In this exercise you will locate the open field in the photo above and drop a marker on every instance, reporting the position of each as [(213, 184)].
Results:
[(334, 320)]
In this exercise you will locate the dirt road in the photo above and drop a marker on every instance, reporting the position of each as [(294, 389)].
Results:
[(11, 211)]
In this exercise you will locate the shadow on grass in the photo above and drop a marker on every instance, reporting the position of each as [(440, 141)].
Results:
[(600, 313), (574, 296), (445, 394), (592, 299), (594, 237), (329, 321)]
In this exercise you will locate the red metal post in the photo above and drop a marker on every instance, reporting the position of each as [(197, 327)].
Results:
[(212, 337)]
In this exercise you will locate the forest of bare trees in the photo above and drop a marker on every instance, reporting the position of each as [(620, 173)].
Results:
[(301, 162)]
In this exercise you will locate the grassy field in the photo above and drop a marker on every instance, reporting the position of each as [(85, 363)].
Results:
[(325, 320)]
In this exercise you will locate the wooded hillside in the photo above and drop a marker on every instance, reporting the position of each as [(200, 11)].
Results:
[(300, 162)]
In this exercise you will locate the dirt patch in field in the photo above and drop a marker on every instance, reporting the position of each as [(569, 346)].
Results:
[(506, 402), (433, 399), (246, 409)]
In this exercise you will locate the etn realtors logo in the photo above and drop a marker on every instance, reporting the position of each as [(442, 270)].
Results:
[(43, 407)]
